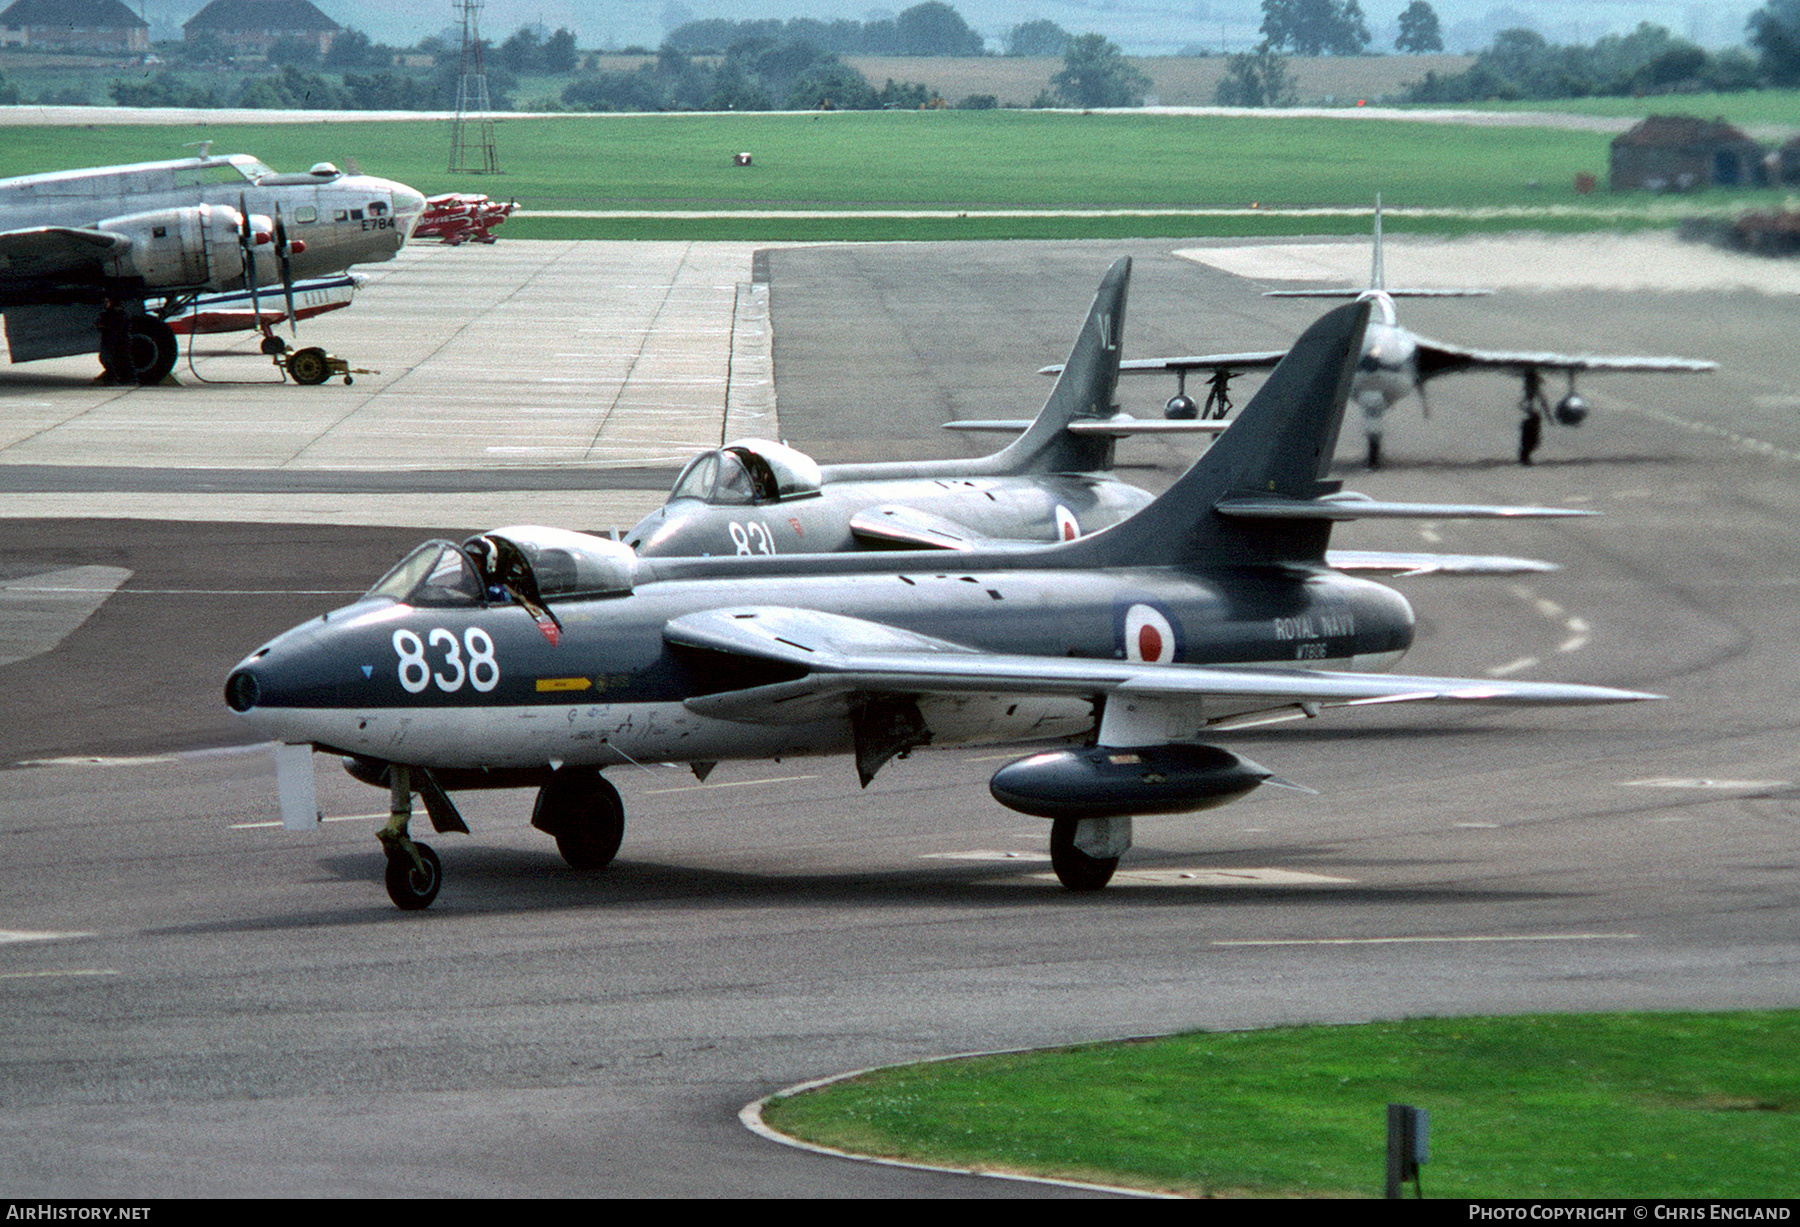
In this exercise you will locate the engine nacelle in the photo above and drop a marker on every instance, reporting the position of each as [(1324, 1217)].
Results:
[(1571, 410), (195, 248), (1181, 408), (1110, 782)]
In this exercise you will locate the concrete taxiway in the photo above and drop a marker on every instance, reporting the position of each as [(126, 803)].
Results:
[(198, 1003)]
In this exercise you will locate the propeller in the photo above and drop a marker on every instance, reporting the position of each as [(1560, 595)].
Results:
[(283, 256), (247, 241)]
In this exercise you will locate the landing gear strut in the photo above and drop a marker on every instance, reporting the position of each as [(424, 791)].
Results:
[(1534, 405), (413, 873)]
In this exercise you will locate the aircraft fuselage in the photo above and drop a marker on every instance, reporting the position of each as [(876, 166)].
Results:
[(333, 220), (1026, 507), (474, 685)]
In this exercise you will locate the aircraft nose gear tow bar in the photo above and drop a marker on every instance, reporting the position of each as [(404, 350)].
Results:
[(309, 366)]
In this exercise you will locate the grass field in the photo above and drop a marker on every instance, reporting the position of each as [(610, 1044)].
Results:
[(958, 162), (1586, 1106)]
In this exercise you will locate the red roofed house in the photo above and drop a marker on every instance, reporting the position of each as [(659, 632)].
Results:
[(103, 26), (253, 26)]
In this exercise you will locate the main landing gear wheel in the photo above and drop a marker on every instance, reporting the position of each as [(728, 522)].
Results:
[(142, 351), (412, 885), (581, 808), (1075, 869)]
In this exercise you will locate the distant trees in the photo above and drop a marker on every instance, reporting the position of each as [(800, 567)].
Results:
[(934, 28), (1095, 73), (1419, 32), (528, 51), (1775, 33), (1521, 63), (931, 28), (1257, 78), (1315, 27), (1039, 37)]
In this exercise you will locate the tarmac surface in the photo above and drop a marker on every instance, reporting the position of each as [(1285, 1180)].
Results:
[(198, 1003)]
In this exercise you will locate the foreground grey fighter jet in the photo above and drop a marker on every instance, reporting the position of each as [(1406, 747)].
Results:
[(99, 260), (1050, 484), (537, 657), (1396, 363)]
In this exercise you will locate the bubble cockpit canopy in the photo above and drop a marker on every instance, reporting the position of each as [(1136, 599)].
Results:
[(748, 471), (529, 563)]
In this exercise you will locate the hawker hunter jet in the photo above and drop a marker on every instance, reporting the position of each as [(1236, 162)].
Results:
[(102, 260), (1052, 484), (1397, 363), (538, 657)]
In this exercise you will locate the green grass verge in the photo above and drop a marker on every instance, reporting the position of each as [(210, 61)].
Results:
[(1549, 1106), (960, 161)]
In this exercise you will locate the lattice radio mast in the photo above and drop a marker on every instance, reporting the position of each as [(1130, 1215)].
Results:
[(472, 136)]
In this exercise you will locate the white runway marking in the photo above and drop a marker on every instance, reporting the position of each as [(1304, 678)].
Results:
[(1424, 940), (9, 936)]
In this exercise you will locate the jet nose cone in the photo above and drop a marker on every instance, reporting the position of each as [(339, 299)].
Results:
[(242, 691)]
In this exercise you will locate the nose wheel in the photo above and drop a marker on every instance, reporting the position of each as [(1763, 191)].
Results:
[(413, 876)]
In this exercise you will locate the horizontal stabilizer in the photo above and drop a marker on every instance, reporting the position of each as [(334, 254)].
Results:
[(1400, 562), (1339, 507), (1119, 427), (1427, 293), (1251, 360)]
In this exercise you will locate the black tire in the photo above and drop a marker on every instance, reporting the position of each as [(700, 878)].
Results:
[(148, 352), (1075, 869), (582, 809), (411, 888), (309, 366), (1531, 430)]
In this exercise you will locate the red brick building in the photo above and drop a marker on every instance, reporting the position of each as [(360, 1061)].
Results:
[(105, 27), (253, 26)]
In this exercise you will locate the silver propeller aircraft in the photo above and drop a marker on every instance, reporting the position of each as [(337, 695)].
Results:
[(99, 260), (1397, 363), (537, 657)]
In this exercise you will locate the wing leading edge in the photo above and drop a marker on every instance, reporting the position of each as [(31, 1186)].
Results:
[(838, 656)]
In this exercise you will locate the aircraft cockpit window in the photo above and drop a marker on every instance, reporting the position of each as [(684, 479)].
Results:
[(539, 565), (734, 484), (751, 471), (696, 481), (377, 209), (437, 573), (776, 470)]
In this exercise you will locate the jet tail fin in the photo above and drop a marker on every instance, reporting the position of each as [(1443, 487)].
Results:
[(1085, 389), (1279, 448)]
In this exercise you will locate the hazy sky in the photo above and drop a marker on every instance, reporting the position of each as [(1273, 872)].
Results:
[(1141, 27)]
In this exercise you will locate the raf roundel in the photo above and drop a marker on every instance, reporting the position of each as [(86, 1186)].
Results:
[(1067, 526), (1147, 635)]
